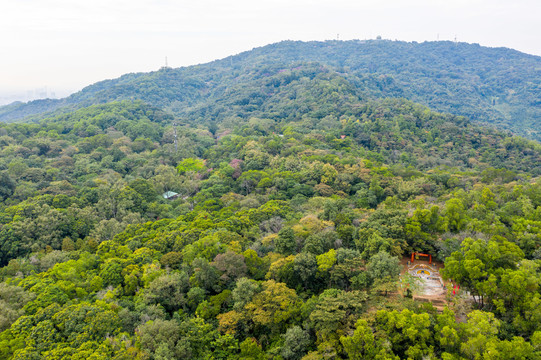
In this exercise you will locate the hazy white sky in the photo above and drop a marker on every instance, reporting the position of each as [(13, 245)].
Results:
[(68, 44)]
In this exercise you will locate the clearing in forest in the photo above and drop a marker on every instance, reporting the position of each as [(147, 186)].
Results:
[(429, 285)]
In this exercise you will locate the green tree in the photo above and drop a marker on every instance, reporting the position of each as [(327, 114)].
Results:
[(383, 265), (296, 342), (7, 186), (409, 333), (231, 265), (455, 215), (190, 165), (285, 243), (274, 306), (168, 291), (244, 291), (478, 266), (362, 344), (336, 311)]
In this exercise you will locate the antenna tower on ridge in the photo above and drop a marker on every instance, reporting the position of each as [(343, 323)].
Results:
[(166, 65)]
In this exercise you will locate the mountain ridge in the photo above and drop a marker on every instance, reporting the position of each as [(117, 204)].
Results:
[(497, 86)]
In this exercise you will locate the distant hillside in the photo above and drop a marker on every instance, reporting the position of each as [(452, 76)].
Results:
[(490, 85)]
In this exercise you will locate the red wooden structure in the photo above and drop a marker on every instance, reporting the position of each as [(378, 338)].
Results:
[(419, 254)]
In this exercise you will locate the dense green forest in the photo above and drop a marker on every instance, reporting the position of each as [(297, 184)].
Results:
[(298, 196), (498, 86)]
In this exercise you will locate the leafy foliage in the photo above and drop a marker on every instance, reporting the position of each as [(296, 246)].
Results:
[(285, 239)]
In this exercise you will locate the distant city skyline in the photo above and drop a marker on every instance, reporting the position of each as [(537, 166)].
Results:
[(8, 97), (66, 45)]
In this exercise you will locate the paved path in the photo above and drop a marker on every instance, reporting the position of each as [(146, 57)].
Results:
[(430, 280)]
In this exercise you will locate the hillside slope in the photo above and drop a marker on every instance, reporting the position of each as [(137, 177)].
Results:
[(285, 240), (298, 198), (490, 85)]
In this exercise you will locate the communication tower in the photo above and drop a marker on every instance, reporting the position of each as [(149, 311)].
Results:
[(166, 65)]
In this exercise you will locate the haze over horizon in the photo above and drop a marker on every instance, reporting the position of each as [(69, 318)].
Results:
[(65, 45)]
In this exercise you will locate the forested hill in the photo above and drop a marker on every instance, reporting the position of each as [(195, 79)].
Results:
[(493, 85), (265, 207), (285, 237)]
